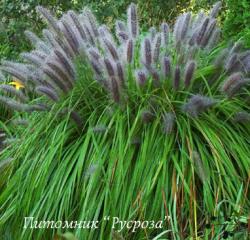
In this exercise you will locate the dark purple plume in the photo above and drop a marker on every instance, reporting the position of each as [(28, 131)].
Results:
[(189, 72), (177, 77)]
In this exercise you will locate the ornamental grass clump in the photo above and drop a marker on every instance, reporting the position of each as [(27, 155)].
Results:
[(163, 116)]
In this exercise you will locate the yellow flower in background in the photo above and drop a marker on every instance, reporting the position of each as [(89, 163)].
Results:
[(17, 84)]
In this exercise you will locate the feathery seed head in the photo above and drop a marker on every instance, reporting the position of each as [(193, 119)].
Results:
[(156, 48), (165, 33), (215, 10), (141, 77), (189, 72), (242, 117), (146, 51), (129, 50), (133, 23), (177, 77), (198, 104)]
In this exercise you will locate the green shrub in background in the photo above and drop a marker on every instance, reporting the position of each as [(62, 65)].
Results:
[(237, 23)]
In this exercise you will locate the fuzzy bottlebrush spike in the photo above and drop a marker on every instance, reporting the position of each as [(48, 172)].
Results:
[(165, 34), (19, 107), (109, 65), (166, 66), (21, 76), (76, 20), (146, 51), (104, 32), (242, 117), (197, 21), (156, 48), (21, 67), (123, 37), (50, 38), (95, 59), (59, 42), (215, 10), (189, 72), (231, 62), (52, 22), (237, 47), (69, 35), (209, 33), (120, 26), (154, 73), (141, 77), (65, 62), (129, 51), (237, 87), (177, 77), (96, 67), (55, 79), (202, 31), (32, 37), (178, 29), (152, 32), (198, 104), (121, 31), (89, 34), (115, 90), (33, 58), (62, 59), (132, 21), (111, 48), (214, 39), (56, 43), (184, 26), (92, 21), (13, 92), (219, 61), (39, 54), (44, 47), (120, 73), (50, 93), (94, 53), (39, 107), (233, 84), (168, 123), (60, 71)]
